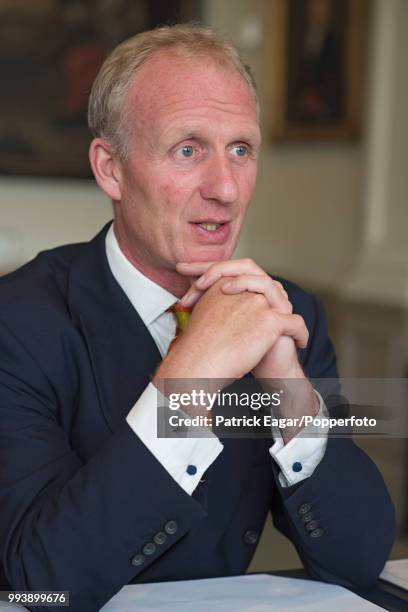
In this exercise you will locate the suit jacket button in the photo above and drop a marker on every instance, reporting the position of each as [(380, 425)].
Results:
[(312, 525), (138, 560), (160, 538), (307, 517), (171, 527), (304, 509), (251, 537), (149, 549), (316, 533)]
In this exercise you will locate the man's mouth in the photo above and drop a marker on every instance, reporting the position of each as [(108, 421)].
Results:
[(211, 231), (210, 227)]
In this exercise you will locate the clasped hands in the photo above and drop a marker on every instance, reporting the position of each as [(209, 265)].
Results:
[(242, 322), (273, 313)]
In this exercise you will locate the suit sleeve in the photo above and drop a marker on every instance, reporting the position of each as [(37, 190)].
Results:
[(341, 519), (52, 503)]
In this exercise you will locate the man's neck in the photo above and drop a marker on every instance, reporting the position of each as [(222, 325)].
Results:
[(169, 279)]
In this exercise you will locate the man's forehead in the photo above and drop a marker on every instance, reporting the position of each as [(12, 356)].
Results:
[(170, 79)]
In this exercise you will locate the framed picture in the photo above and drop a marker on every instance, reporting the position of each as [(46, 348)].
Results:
[(50, 53), (314, 58)]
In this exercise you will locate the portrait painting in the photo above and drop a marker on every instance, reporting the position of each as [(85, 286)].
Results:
[(316, 60)]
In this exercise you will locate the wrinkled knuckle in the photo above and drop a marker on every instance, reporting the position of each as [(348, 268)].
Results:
[(211, 270), (225, 279), (288, 308), (214, 267), (221, 281), (279, 290), (284, 295)]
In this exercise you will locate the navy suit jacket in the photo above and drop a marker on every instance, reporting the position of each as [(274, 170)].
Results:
[(81, 496)]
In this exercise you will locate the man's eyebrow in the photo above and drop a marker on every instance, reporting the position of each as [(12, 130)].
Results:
[(252, 138), (188, 132), (183, 132)]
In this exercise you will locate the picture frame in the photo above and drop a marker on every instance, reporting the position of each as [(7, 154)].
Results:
[(314, 69), (50, 53)]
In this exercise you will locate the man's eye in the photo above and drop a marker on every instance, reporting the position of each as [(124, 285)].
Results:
[(240, 150), (185, 151)]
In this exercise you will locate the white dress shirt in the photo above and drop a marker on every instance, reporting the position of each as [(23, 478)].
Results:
[(176, 454)]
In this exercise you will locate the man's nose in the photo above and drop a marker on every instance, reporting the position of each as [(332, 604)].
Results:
[(219, 181)]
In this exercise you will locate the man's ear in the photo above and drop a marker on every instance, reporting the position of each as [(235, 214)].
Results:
[(105, 167)]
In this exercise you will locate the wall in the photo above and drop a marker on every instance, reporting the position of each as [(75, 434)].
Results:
[(38, 213)]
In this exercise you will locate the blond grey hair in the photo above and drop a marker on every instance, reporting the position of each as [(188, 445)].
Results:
[(107, 117)]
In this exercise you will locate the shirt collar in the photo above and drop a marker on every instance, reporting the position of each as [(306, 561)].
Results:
[(149, 299)]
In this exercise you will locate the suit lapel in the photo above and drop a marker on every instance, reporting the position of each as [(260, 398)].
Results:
[(122, 351)]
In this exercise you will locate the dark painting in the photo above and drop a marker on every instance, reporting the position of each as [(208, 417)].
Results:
[(316, 57), (50, 53), (316, 60)]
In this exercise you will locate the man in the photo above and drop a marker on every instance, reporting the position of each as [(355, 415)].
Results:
[(91, 498)]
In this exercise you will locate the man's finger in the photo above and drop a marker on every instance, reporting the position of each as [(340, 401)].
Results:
[(191, 297), (291, 325), (211, 272), (259, 284), (194, 268), (234, 267)]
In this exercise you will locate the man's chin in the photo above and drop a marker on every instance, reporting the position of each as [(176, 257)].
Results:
[(205, 253)]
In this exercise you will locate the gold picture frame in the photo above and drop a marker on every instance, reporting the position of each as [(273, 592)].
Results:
[(314, 69)]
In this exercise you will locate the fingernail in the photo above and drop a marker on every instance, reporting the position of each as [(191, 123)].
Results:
[(228, 285)]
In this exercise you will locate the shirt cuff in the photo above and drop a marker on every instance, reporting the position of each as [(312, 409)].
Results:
[(299, 458), (175, 454)]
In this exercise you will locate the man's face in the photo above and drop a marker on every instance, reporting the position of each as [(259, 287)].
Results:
[(191, 169)]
